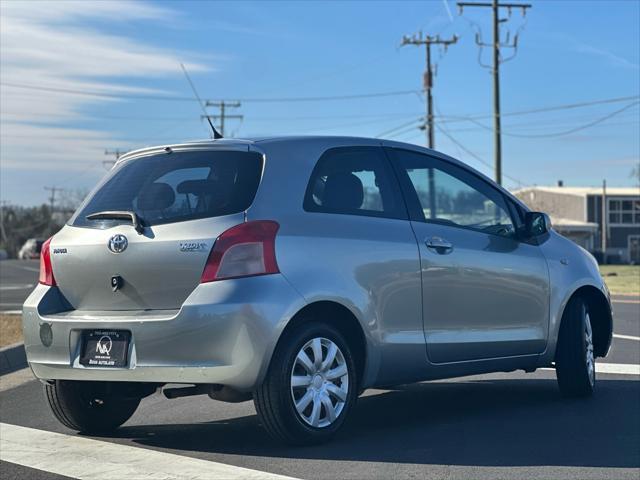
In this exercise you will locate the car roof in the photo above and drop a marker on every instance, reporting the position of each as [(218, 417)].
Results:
[(235, 142)]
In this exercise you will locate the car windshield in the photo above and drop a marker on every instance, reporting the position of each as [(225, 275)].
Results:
[(175, 187)]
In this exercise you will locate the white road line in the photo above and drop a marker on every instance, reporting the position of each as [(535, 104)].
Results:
[(17, 287), (619, 368), (635, 302), (626, 337), (616, 368), (84, 458), (21, 267), (11, 312)]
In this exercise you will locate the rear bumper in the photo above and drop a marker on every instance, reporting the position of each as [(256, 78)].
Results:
[(224, 333)]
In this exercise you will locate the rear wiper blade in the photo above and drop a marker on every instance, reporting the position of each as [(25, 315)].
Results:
[(119, 215)]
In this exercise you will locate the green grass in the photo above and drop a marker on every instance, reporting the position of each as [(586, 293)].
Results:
[(622, 279)]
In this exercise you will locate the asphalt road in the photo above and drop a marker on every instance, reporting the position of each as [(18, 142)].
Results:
[(17, 279), (511, 425)]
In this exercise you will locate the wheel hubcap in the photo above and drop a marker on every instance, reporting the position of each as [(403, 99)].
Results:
[(319, 382), (589, 357)]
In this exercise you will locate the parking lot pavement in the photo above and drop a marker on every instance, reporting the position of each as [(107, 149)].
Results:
[(509, 425), (492, 426), (626, 339), (17, 279)]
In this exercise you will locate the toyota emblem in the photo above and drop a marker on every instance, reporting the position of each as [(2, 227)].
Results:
[(118, 243)]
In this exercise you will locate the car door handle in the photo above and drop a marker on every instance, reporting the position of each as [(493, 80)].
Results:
[(440, 245)]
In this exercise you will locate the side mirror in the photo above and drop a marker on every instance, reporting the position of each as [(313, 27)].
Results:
[(536, 224)]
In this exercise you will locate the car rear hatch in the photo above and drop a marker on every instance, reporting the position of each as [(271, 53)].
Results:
[(182, 201)]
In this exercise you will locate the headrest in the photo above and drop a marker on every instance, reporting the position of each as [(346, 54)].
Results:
[(197, 187), (156, 196), (343, 191)]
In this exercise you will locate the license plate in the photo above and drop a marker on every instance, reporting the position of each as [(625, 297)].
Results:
[(105, 348)]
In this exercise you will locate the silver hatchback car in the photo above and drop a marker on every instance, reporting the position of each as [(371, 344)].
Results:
[(300, 271)]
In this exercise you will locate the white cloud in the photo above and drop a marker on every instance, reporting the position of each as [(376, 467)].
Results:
[(66, 45), (68, 11), (611, 58)]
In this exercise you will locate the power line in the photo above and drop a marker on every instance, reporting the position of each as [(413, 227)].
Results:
[(447, 118), (182, 119), (95, 93), (569, 106), (78, 174), (476, 157), (334, 126), (416, 123), (444, 126), (564, 132), (332, 97), (475, 128), (188, 99), (458, 144), (412, 123), (428, 41)]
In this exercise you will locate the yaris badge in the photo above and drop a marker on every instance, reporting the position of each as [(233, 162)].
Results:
[(118, 243)]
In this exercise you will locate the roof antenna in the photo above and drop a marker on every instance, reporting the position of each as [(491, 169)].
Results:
[(215, 133)]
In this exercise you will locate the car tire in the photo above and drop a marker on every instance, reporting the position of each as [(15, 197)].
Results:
[(327, 385), (575, 360), (81, 406)]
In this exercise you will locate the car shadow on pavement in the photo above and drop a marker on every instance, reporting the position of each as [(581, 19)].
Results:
[(482, 422)]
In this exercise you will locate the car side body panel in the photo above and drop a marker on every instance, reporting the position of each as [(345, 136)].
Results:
[(368, 265)]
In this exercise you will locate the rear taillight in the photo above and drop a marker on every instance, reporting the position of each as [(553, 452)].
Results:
[(245, 250), (46, 270)]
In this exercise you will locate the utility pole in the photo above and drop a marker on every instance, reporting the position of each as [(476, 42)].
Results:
[(117, 153), (603, 232), (427, 41), (52, 200), (52, 197), (495, 6), (3, 233), (223, 105)]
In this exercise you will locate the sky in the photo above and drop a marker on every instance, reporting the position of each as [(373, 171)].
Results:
[(78, 78)]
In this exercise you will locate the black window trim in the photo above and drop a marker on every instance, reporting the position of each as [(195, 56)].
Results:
[(400, 213), (413, 202)]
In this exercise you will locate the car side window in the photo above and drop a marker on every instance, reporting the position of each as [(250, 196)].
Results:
[(355, 181), (449, 195)]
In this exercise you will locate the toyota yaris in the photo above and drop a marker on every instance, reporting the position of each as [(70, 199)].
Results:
[(299, 272)]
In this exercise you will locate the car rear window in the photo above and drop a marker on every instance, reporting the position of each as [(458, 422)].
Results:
[(176, 187)]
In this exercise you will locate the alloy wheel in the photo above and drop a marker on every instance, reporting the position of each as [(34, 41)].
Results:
[(589, 357)]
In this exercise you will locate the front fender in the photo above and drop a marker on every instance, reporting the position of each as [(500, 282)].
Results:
[(570, 269)]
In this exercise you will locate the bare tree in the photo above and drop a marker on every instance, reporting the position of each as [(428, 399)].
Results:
[(635, 174)]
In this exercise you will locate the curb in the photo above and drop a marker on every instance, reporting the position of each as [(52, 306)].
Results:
[(12, 358)]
